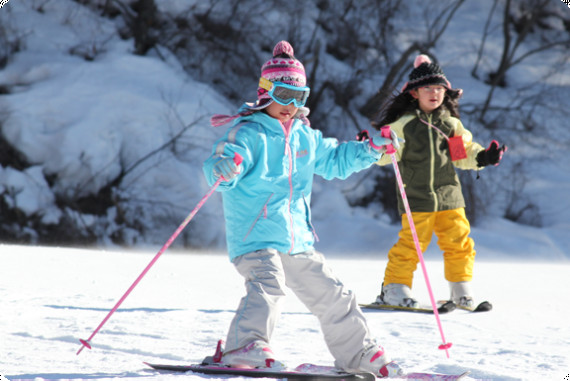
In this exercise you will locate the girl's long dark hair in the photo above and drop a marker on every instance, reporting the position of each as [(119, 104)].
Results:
[(403, 103)]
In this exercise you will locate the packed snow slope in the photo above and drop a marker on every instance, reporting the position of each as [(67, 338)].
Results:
[(52, 297)]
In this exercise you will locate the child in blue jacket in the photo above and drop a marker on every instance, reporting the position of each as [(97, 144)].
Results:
[(269, 233)]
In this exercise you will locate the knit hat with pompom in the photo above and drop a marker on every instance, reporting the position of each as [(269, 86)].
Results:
[(283, 67), (425, 73)]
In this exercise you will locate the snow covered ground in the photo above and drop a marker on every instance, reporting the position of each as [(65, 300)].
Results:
[(52, 297)]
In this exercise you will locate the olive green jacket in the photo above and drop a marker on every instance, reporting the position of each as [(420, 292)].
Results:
[(428, 174)]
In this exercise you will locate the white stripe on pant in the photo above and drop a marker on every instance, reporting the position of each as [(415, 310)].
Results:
[(267, 272)]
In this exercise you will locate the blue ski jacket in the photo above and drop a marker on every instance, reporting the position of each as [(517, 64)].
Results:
[(268, 204)]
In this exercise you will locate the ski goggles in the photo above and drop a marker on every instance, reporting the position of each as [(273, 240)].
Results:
[(285, 94)]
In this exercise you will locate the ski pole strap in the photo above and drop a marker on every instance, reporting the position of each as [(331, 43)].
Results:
[(385, 133), (435, 128)]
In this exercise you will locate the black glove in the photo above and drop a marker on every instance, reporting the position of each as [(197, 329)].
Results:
[(363, 136), (492, 155)]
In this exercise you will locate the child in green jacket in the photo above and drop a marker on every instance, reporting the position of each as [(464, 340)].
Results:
[(426, 115)]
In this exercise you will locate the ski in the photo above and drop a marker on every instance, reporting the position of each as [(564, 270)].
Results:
[(481, 307), (446, 307), (304, 372), (435, 376)]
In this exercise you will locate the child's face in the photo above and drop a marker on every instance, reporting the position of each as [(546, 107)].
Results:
[(280, 112), (429, 97)]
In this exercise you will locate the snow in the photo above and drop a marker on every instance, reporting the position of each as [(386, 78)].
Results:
[(83, 122), (52, 297), (90, 120)]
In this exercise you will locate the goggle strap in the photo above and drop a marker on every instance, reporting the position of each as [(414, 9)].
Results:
[(265, 83)]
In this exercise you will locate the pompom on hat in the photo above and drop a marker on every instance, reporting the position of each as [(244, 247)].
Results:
[(425, 73), (283, 67)]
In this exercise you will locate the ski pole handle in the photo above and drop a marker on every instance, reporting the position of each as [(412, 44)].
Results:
[(225, 170), (385, 133), (238, 159)]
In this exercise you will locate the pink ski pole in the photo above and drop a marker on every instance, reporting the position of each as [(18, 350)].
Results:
[(86, 343), (385, 132)]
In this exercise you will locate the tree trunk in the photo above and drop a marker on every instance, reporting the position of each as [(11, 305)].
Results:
[(143, 23)]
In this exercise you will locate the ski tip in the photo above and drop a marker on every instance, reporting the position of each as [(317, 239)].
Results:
[(448, 306), (483, 307)]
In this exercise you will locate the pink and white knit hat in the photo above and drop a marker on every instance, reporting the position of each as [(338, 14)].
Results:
[(283, 67)]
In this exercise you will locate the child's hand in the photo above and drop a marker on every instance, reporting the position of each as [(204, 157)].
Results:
[(227, 168), (363, 136), (492, 155), (381, 143)]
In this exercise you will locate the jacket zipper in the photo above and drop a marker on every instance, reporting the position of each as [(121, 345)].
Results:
[(432, 165), (287, 132)]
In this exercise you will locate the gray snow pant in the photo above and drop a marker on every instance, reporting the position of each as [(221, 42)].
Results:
[(267, 272)]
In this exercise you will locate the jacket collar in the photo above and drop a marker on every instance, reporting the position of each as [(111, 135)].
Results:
[(267, 121), (439, 114)]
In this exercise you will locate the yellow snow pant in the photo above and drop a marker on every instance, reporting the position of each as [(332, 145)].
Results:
[(452, 229)]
